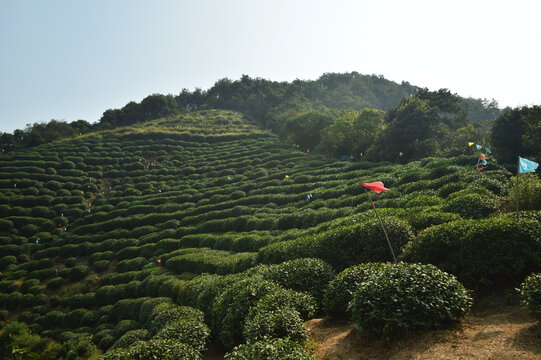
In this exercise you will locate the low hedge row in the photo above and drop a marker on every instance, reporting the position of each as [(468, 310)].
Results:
[(487, 251), (352, 244)]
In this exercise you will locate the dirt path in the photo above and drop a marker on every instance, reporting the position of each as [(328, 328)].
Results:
[(492, 331)]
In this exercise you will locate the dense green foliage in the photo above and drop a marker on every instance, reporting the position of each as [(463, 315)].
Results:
[(530, 290), (517, 133), (497, 250), (341, 289), (340, 114), (202, 227), (402, 297), (269, 349)]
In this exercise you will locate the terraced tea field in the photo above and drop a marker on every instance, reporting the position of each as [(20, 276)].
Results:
[(109, 235)]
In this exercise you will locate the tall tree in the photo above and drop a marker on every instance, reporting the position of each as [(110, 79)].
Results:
[(517, 132)]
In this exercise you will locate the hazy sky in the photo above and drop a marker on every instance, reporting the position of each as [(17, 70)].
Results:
[(69, 60)]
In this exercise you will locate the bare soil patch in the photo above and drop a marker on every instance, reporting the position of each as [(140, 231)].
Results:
[(493, 330)]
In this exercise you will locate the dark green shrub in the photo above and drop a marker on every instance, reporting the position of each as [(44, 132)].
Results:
[(529, 192), (403, 297), (78, 272), (471, 205), (106, 255), (101, 265), (341, 289), (427, 218), (79, 301), (124, 326), (102, 332), (270, 349), (70, 262), (52, 319), (203, 290), (106, 341), (351, 244), (306, 275), (481, 252), (304, 303), (423, 200), (189, 331), (154, 349), (73, 319), (530, 290), (55, 283), (362, 242), (283, 322), (231, 307), (27, 317), (129, 338), (131, 264), (165, 312)]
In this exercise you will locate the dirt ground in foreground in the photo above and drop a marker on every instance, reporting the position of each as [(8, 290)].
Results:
[(490, 331)]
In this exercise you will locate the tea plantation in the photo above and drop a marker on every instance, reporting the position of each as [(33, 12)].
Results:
[(159, 239)]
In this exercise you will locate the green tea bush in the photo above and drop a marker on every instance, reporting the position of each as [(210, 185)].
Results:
[(101, 266), (124, 326), (306, 275), (131, 264), (203, 290), (106, 255), (530, 290), (154, 349), (283, 322), (363, 242), (6, 261), (529, 192), (129, 338), (303, 303), (423, 200), (232, 306), (102, 332), (166, 312), (270, 349), (341, 289), (78, 272), (79, 301), (52, 319), (426, 218), (471, 205), (189, 331), (403, 297), (489, 251)]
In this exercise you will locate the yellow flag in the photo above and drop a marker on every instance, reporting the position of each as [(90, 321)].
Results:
[(287, 176), (470, 144)]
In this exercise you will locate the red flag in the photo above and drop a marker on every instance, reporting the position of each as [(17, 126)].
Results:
[(159, 261), (480, 169), (376, 187)]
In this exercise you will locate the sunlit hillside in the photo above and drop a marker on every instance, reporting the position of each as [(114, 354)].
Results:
[(187, 232)]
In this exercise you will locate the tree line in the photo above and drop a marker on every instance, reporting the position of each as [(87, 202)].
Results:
[(340, 114)]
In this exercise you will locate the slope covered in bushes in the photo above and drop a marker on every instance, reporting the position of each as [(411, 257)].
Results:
[(198, 226)]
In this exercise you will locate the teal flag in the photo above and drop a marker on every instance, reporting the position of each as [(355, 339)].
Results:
[(526, 166)]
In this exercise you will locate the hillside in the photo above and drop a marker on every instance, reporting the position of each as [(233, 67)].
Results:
[(109, 235)]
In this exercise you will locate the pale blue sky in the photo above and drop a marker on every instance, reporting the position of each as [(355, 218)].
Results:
[(69, 60)]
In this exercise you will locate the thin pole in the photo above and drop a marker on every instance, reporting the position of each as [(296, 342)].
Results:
[(382, 227), (516, 190)]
